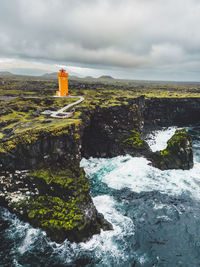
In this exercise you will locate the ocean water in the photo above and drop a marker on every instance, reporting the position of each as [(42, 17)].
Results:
[(155, 215)]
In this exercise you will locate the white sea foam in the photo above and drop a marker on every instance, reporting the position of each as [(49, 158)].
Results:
[(104, 246), (23, 232), (16, 263), (17, 229), (136, 173), (30, 236), (157, 140)]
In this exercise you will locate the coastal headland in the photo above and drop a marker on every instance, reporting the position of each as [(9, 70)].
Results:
[(41, 178)]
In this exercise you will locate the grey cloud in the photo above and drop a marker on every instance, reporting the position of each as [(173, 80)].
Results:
[(129, 34)]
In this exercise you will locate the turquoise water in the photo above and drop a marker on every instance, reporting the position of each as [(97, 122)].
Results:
[(155, 215)]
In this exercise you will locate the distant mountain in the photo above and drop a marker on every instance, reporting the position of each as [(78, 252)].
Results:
[(52, 75), (107, 77), (6, 73), (73, 77), (89, 77)]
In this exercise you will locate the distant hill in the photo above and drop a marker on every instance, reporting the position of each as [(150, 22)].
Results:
[(89, 77), (106, 77), (73, 77), (6, 73), (52, 75)]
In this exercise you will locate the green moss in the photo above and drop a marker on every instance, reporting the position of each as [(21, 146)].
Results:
[(61, 177), (175, 142), (60, 208), (24, 115), (135, 140), (53, 213), (24, 135), (71, 179), (25, 139), (178, 138), (76, 136), (134, 107), (164, 152)]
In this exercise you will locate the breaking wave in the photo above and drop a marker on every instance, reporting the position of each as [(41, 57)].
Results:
[(155, 215)]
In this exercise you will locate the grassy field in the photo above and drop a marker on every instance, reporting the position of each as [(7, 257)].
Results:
[(40, 86), (32, 95)]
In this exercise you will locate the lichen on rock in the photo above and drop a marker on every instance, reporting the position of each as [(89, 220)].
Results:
[(57, 217), (63, 206), (55, 194), (135, 140), (177, 155), (135, 145)]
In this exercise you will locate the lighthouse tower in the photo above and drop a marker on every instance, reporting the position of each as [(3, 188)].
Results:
[(63, 83)]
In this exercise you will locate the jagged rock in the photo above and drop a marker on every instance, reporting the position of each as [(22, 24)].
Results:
[(57, 200), (109, 127), (106, 226), (165, 112), (135, 145), (104, 131), (177, 155)]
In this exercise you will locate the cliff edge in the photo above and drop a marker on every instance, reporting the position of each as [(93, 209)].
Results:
[(41, 178)]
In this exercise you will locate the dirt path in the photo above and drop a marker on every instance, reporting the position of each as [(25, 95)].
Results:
[(61, 112)]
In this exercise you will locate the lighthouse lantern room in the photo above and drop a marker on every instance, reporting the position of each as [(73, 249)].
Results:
[(63, 83)]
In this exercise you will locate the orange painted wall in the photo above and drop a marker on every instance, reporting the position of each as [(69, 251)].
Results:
[(63, 84)]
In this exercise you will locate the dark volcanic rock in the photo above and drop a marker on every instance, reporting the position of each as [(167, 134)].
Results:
[(177, 155), (57, 196), (109, 128), (56, 200), (59, 202), (165, 112)]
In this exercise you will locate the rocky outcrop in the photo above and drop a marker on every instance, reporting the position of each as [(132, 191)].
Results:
[(177, 155), (50, 190), (109, 131), (108, 127), (56, 200), (165, 112), (118, 131), (41, 148)]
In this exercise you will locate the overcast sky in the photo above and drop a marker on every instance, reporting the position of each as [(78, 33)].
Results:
[(135, 39)]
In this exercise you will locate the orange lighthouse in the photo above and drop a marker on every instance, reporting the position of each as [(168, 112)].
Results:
[(63, 83)]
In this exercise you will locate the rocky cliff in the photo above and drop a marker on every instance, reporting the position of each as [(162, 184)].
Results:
[(42, 182), (171, 111), (119, 129), (41, 178), (177, 155)]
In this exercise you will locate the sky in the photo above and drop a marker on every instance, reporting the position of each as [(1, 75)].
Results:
[(127, 39)]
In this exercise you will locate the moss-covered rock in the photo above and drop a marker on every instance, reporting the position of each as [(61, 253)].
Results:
[(135, 145), (115, 130), (64, 182), (60, 219), (177, 155), (134, 141), (108, 123), (63, 206), (65, 219)]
